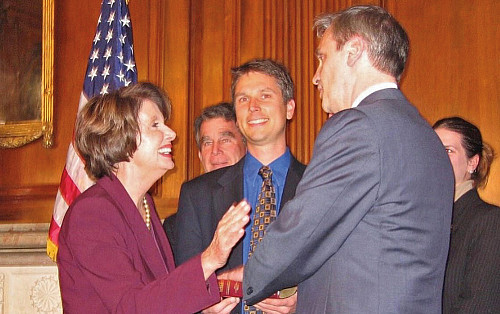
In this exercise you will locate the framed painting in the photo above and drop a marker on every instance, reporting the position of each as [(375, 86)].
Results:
[(26, 72)]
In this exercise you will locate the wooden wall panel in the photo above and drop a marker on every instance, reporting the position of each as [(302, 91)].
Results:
[(282, 30), (277, 29), (174, 77), (189, 47), (30, 174), (32, 165), (207, 49), (454, 65)]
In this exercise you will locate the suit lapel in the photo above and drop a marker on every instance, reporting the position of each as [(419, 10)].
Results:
[(147, 247), (460, 213), (230, 191), (293, 177)]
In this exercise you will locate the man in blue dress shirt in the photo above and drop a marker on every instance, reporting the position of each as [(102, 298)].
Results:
[(262, 92)]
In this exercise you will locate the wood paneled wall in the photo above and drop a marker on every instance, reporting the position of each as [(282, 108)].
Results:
[(189, 46), (454, 66)]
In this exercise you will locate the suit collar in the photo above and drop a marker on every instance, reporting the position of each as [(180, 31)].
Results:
[(230, 188), (470, 199), (279, 167), (388, 93), (231, 182), (230, 191), (147, 246), (231, 174), (372, 89), (293, 177)]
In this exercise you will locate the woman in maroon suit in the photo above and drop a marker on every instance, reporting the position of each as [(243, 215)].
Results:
[(113, 254), (472, 280)]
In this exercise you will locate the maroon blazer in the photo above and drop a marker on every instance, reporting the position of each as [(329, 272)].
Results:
[(110, 262)]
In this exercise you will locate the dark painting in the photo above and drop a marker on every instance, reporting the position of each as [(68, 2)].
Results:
[(20, 60)]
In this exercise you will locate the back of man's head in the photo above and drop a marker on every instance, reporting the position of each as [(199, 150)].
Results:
[(388, 43)]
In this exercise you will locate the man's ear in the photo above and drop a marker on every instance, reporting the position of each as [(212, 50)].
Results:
[(199, 154), (290, 109), (354, 48)]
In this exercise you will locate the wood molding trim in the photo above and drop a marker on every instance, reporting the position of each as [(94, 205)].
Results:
[(27, 204)]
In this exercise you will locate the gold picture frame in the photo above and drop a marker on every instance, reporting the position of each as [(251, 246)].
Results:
[(17, 133)]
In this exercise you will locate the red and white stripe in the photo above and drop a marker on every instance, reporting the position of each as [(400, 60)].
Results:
[(74, 180)]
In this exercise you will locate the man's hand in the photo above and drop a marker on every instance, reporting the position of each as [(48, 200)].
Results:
[(278, 306), (223, 307), (235, 274), (270, 305)]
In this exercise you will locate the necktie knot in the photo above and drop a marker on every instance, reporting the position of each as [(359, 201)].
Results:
[(265, 172)]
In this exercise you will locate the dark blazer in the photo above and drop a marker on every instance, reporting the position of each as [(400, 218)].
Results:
[(205, 199), (169, 227), (472, 281), (368, 229), (110, 262)]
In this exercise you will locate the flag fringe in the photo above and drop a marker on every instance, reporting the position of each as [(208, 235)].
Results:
[(52, 250)]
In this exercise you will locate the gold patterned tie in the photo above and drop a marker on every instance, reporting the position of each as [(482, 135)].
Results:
[(265, 213)]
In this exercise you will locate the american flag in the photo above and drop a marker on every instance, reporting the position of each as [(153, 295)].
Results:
[(111, 65)]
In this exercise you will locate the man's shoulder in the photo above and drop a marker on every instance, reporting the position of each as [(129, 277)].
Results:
[(297, 166), (214, 177), (347, 122), (387, 102), (386, 94), (483, 212)]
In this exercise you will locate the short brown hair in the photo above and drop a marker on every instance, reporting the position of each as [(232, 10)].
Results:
[(107, 127), (224, 110), (269, 67), (388, 43)]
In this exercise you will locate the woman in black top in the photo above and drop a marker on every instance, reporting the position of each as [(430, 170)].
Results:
[(472, 280)]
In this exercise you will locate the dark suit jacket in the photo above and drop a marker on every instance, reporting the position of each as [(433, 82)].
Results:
[(368, 229), (109, 261), (169, 227), (472, 281), (204, 200)]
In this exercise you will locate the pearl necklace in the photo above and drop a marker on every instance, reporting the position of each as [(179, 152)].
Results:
[(147, 213)]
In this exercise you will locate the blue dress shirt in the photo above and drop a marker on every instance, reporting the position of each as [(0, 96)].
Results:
[(253, 182)]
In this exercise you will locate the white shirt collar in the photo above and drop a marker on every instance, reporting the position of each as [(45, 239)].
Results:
[(372, 89)]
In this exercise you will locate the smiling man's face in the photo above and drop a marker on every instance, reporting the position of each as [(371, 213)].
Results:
[(261, 113), (221, 144)]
